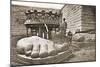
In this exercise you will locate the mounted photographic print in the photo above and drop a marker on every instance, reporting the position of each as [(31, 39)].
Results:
[(52, 33)]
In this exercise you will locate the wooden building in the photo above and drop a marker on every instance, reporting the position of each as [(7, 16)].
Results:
[(41, 23), (22, 21), (79, 17)]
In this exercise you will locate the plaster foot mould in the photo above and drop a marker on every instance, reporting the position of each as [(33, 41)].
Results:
[(36, 50)]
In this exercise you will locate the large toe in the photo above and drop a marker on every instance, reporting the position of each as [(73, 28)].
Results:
[(35, 54), (43, 50), (51, 49), (35, 51)]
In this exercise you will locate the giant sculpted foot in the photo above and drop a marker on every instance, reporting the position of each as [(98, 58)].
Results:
[(38, 47)]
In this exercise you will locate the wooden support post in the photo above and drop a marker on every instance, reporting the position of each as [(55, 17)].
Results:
[(37, 33), (40, 31), (47, 36), (26, 31), (43, 35), (31, 32), (55, 30)]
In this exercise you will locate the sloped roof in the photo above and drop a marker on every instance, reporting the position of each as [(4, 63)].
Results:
[(36, 22), (31, 22)]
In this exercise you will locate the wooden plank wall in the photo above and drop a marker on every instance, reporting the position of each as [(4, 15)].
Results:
[(18, 18), (79, 17), (72, 13), (88, 18)]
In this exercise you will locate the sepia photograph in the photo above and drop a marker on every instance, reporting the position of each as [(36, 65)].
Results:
[(52, 33)]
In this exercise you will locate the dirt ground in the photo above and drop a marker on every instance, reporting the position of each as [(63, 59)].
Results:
[(82, 51)]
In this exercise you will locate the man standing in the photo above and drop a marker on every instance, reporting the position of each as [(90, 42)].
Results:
[(70, 37), (63, 27)]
